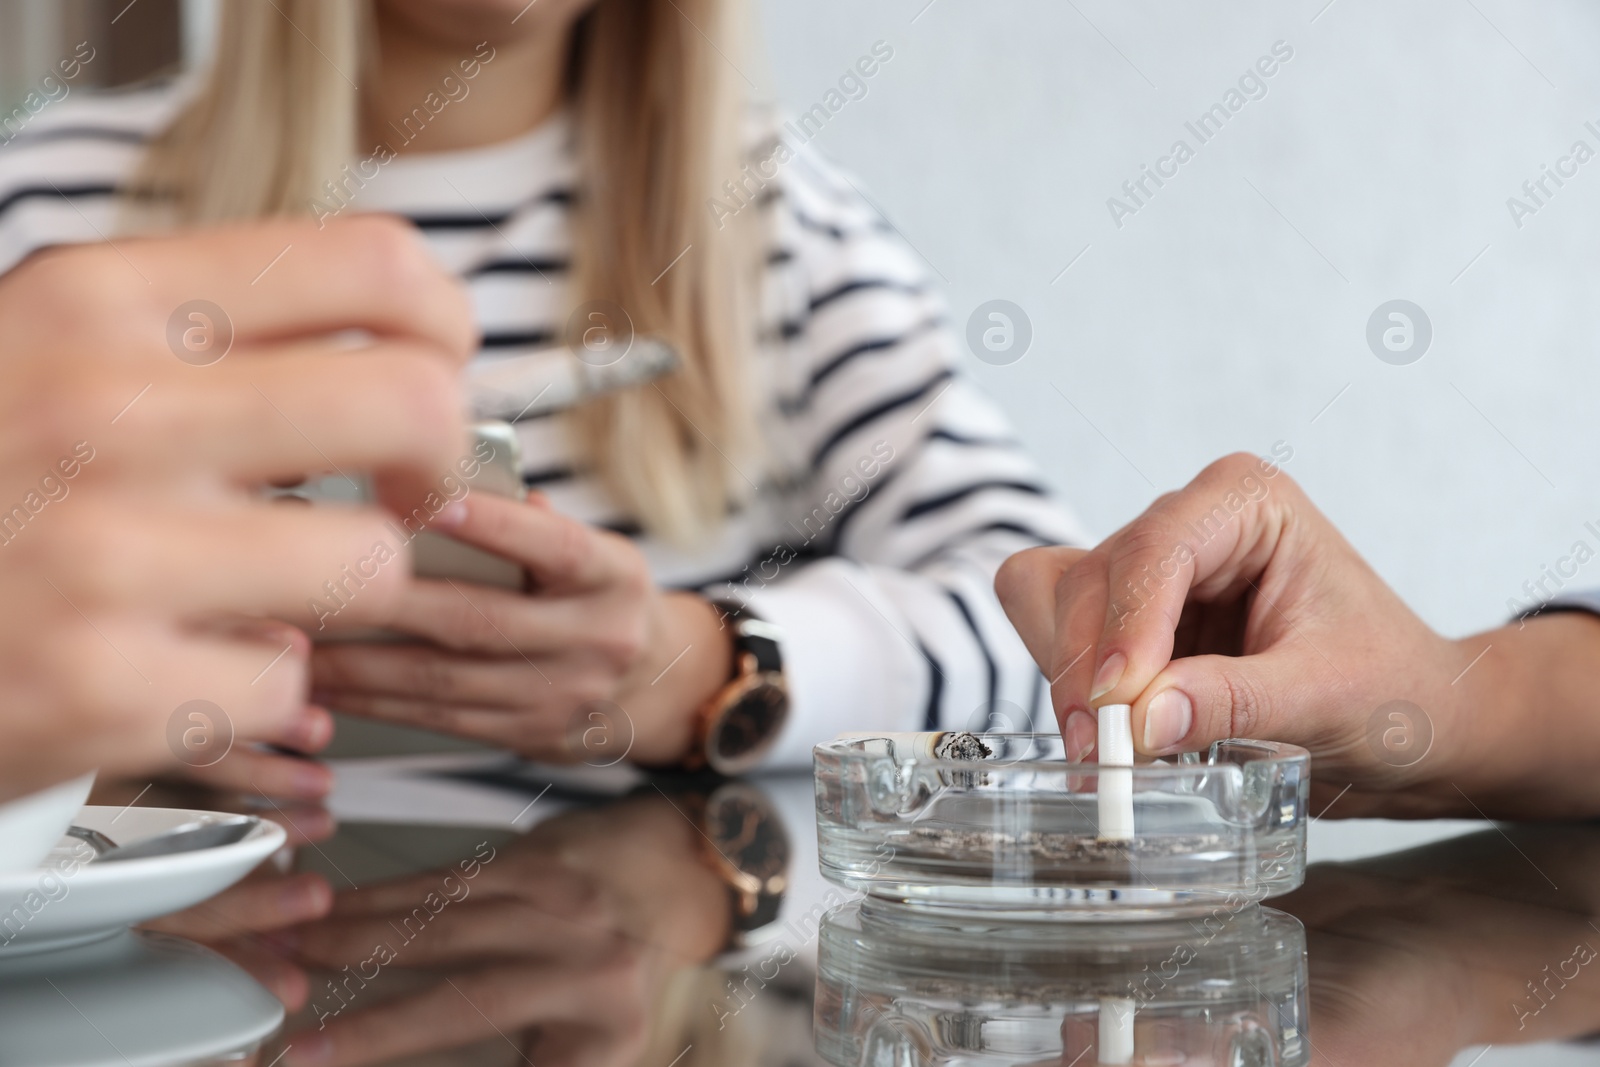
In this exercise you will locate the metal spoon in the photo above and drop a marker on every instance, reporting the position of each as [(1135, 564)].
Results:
[(97, 840), (189, 837)]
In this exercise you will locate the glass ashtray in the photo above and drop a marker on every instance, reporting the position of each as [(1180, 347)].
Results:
[(985, 823), (907, 986)]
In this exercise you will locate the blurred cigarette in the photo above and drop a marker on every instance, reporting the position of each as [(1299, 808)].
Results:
[(553, 379)]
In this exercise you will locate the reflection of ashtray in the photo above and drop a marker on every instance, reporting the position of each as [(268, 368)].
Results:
[(899, 985), (904, 817)]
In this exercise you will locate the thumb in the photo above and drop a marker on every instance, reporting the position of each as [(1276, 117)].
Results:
[(1201, 699)]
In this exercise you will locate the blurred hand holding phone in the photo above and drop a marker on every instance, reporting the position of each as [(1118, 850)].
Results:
[(500, 393)]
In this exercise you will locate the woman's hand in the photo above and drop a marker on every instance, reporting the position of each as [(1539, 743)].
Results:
[(279, 766), (548, 673), (1233, 608), (147, 391)]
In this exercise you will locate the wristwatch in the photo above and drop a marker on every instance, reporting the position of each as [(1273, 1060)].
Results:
[(748, 848), (739, 725)]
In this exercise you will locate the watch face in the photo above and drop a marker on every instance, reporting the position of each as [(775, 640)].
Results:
[(750, 725), (748, 834)]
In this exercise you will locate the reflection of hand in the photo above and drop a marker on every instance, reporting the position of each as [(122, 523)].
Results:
[(240, 921), (1233, 608), (1418, 955), (233, 921), (561, 940), (516, 669), (556, 1013), (129, 476)]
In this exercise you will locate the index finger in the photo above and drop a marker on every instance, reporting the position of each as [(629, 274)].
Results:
[(557, 550), (1054, 597), (1208, 538), (285, 278)]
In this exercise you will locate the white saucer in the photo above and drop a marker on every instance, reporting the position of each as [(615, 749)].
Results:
[(136, 999), (69, 901)]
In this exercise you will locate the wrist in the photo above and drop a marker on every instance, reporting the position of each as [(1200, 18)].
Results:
[(1527, 718), (1475, 681), (1418, 715), (692, 659), (689, 906)]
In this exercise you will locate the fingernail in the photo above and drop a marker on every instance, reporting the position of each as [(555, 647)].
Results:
[(1079, 735), (298, 640), (309, 1049), (305, 822), (304, 898), (1109, 674), (454, 514), (312, 732), (315, 824), (311, 780), (272, 630), (284, 942), (1167, 720)]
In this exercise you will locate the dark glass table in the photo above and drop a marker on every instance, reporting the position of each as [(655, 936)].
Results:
[(487, 913)]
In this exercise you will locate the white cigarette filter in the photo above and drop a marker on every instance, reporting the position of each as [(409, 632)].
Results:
[(1116, 787), (1116, 1029)]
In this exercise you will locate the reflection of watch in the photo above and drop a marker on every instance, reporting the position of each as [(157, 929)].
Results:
[(740, 723), (748, 849)]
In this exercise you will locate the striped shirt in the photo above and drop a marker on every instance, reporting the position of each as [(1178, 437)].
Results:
[(892, 489)]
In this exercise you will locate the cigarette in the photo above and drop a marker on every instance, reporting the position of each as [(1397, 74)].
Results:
[(1116, 1028), (1116, 786)]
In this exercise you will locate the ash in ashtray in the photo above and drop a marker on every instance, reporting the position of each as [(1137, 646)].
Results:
[(963, 745), (1055, 847)]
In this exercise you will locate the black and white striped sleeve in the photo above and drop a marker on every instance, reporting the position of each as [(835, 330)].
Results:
[(909, 489), (63, 168)]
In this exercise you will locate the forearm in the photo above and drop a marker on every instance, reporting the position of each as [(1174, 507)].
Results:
[(1527, 719)]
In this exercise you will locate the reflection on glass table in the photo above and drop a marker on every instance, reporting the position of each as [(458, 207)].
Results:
[(608, 935), (1416, 958), (589, 940), (132, 1000), (1489, 939), (897, 986)]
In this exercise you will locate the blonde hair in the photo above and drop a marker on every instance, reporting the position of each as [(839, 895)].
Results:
[(656, 125)]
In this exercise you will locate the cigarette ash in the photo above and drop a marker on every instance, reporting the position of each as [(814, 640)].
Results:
[(962, 745), (1055, 847)]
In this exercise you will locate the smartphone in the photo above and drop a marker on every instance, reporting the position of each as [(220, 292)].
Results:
[(491, 465), (497, 457)]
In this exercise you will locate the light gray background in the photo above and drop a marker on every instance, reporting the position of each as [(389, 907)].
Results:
[(1207, 323), (1224, 317)]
